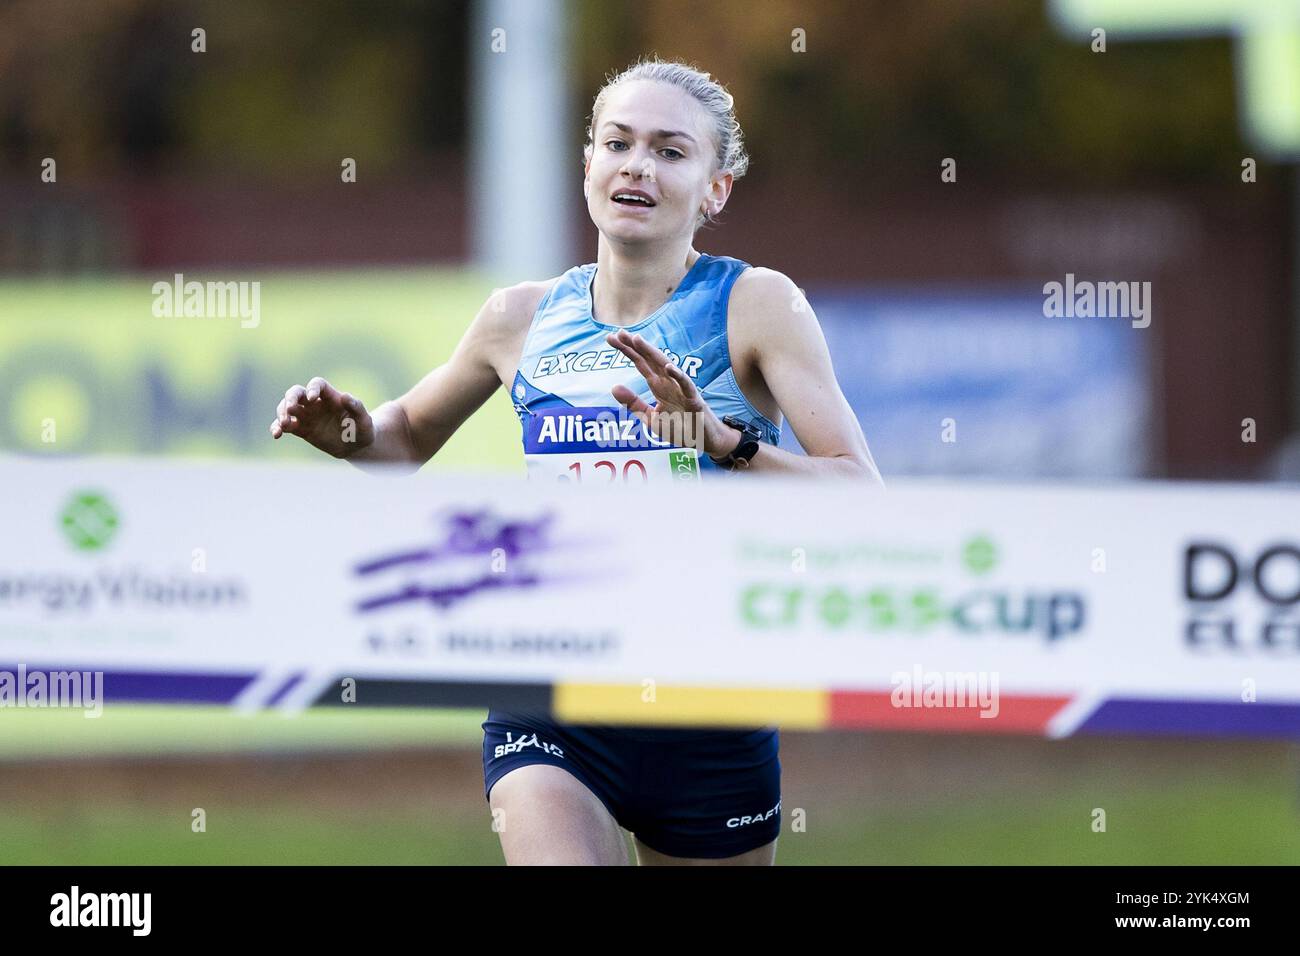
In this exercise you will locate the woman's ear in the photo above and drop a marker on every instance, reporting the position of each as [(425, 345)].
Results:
[(719, 192)]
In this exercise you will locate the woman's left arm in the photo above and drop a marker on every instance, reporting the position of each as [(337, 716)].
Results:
[(774, 326)]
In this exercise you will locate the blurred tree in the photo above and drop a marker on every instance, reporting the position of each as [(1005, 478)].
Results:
[(883, 92), (887, 87), (114, 86)]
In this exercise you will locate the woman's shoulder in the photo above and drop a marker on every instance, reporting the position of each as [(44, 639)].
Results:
[(767, 310), (762, 291), (514, 306)]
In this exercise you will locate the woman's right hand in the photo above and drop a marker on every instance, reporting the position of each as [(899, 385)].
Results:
[(318, 413)]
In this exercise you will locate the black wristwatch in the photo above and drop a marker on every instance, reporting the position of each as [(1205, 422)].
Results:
[(750, 436)]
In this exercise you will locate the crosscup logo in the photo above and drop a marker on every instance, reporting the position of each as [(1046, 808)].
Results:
[(755, 818), (1049, 615), (102, 909)]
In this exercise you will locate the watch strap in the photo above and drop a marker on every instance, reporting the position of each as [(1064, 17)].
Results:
[(750, 437)]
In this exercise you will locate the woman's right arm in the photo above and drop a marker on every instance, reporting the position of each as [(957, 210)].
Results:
[(410, 430)]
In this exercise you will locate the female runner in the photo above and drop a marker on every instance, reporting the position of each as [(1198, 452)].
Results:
[(690, 343)]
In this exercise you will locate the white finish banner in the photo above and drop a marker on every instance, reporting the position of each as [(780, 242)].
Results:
[(1150, 607)]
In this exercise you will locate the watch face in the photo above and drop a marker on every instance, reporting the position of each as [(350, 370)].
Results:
[(750, 437)]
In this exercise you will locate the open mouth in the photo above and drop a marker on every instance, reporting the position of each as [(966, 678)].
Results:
[(636, 200)]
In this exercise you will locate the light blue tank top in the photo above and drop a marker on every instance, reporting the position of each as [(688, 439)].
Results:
[(566, 362)]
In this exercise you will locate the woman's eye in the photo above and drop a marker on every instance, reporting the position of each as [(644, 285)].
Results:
[(615, 142), (677, 153)]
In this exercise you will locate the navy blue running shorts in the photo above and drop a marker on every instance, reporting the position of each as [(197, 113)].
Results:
[(703, 794)]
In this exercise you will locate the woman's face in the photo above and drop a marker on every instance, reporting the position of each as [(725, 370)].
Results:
[(653, 139)]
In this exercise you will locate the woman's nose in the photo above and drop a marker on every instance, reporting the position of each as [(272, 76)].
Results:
[(640, 165)]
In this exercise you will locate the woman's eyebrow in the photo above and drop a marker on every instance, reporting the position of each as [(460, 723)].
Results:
[(659, 133)]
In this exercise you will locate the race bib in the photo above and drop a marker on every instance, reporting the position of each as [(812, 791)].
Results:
[(602, 446)]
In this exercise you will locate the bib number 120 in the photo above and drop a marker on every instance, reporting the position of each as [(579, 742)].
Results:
[(633, 469)]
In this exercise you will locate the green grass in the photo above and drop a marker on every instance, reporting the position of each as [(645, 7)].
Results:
[(1228, 822), (158, 729), (245, 837)]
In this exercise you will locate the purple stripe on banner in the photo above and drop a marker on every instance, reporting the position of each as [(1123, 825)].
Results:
[(157, 686), (288, 685), (180, 688), (1194, 718)]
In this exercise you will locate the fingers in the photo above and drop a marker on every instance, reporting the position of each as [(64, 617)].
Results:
[(681, 378), (293, 402), (319, 388), (309, 400), (634, 404), (290, 408), (655, 358), (630, 399), (625, 342), (297, 398), (287, 411), (283, 423), (649, 361)]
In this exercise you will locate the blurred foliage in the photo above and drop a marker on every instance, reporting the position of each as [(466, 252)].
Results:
[(114, 86), (883, 86)]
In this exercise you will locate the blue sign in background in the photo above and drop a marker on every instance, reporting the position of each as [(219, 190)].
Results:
[(1029, 396)]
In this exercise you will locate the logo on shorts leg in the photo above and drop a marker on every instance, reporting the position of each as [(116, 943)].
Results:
[(512, 746), (755, 818)]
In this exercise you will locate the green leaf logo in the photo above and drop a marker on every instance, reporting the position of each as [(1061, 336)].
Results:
[(979, 555), (89, 521)]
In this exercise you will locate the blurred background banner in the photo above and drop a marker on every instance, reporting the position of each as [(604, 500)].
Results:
[(87, 367), (1025, 397), (1008, 394)]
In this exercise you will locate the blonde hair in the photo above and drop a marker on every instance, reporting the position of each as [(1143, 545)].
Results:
[(730, 155)]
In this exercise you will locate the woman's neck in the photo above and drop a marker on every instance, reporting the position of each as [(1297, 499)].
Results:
[(627, 288)]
